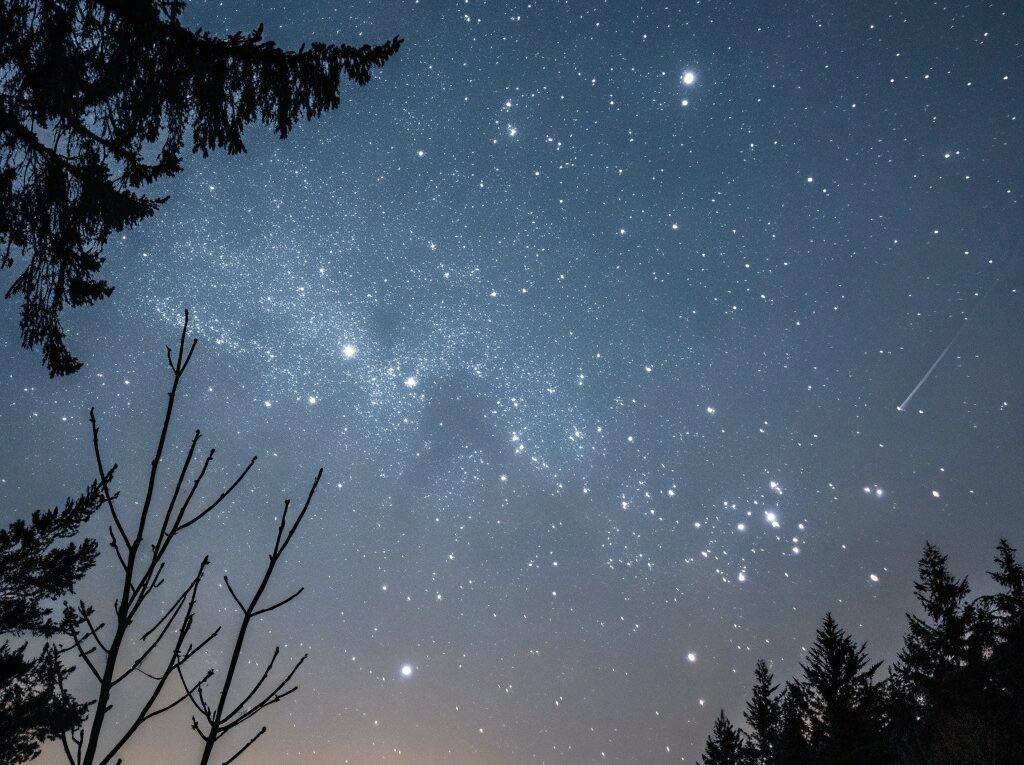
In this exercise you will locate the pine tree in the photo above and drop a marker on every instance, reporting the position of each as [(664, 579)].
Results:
[(97, 100), (1008, 614), (35, 570), (793, 747), (839, 696), (762, 716), (952, 635), (725, 745)]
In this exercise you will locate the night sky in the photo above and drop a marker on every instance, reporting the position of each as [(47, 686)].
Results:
[(597, 316)]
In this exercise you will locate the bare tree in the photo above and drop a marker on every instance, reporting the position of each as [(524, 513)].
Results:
[(221, 719), (108, 652)]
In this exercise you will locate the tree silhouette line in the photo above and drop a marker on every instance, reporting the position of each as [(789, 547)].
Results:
[(145, 639), (97, 100), (955, 693)]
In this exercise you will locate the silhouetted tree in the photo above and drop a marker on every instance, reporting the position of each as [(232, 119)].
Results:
[(163, 650), (793, 747), (839, 696), (725, 745), (1008, 615), (964, 737), (39, 565), (220, 717), (952, 634), (954, 695), (124, 650), (97, 100), (762, 716)]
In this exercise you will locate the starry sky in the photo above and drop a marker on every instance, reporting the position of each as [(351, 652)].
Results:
[(597, 316)]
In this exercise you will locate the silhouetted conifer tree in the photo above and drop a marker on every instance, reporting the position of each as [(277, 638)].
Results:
[(725, 745), (98, 99), (955, 694), (763, 716), (839, 696), (793, 746), (952, 634), (1008, 616), (39, 565)]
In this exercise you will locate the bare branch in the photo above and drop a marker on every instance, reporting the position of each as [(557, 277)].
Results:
[(221, 720), (192, 651), (279, 603), (146, 711), (302, 513), (117, 548), (105, 476), (195, 693), (195, 486), (257, 686), (167, 620), (251, 741), (177, 490), (170, 612), (94, 632), (219, 499), (84, 654), (233, 595), (263, 704), (271, 698)]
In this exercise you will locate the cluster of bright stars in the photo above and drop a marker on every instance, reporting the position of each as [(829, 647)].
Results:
[(688, 78)]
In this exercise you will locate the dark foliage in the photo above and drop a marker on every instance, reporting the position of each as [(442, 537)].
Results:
[(793, 747), (1007, 609), (725, 745), (39, 566), (98, 99), (954, 694), (839, 696), (762, 716)]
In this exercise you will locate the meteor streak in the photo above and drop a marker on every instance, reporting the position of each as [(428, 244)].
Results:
[(903, 407)]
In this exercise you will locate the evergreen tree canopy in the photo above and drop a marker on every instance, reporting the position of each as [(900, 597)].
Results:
[(725, 745), (955, 694), (947, 638), (793, 748), (762, 715), (838, 692), (1008, 616), (1008, 604), (35, 571), (97, 99)]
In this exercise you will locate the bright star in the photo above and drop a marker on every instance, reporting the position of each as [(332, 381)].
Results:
[(407, 670), (689, 78)]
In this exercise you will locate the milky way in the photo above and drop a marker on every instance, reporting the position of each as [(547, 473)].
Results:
[(593, 314)]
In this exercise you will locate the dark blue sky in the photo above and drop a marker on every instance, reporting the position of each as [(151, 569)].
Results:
[(602, 366)]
